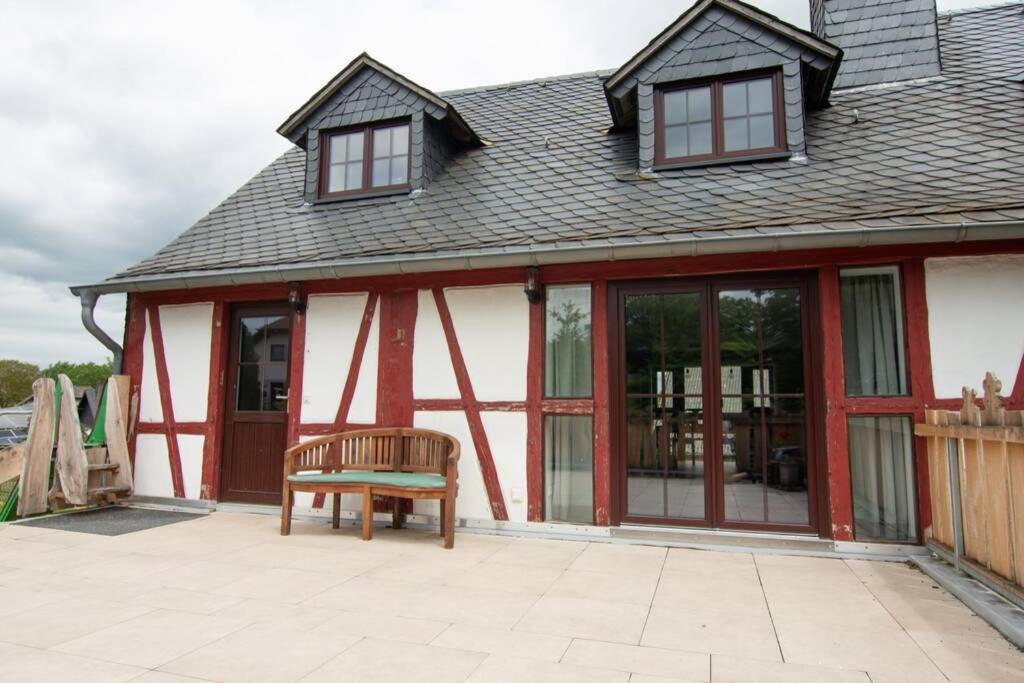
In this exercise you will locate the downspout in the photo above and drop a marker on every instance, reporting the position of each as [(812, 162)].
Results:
[(89, 298)]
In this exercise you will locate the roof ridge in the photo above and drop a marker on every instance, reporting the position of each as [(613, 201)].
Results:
[(982, 8), (530, 81)]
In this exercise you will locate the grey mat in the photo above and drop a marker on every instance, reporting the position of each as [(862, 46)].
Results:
[(112, 521)]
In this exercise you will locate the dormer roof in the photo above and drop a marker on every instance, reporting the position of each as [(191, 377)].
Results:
[(294, 127), (620, 84)]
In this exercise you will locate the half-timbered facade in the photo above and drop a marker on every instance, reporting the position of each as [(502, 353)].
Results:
[(713, 288)]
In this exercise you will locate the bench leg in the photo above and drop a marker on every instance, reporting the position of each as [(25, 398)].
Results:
[(336, 513), (449, 523), (287, 500), (367, 515), (396, 513), (442, 518)]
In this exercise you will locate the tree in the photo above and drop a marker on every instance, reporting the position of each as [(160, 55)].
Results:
[(81, 374), (16, 379)]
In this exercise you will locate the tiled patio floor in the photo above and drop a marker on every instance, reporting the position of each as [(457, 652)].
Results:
[(225, 598)]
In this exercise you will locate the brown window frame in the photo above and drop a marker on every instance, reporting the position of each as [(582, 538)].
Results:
[(366, 188), (718, 119)]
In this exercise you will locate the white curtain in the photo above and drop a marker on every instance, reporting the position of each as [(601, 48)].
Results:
[(882, 470), (569, 468), (872, 332)]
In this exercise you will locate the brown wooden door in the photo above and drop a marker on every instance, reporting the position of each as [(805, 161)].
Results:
[(256, 404)]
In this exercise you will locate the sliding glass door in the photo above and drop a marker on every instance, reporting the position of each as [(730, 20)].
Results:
[(715, 426)]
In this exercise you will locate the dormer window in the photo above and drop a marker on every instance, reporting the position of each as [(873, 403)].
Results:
[(726, 118), (364, 160)]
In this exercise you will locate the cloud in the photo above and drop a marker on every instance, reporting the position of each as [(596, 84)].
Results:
[(123, 122)]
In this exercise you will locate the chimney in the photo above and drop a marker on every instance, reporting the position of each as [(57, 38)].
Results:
[(882, 40)]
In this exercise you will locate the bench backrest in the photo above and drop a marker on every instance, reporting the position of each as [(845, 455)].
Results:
[(392, 450)]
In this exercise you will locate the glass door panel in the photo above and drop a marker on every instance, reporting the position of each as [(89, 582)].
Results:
[(764, 420), (664, 406)]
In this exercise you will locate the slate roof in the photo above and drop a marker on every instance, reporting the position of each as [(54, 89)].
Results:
[(942, 150)]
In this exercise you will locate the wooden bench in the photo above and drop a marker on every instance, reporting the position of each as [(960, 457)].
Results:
[(399, 462)]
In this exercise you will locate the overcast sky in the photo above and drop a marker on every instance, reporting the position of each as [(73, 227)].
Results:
[(123, 122)]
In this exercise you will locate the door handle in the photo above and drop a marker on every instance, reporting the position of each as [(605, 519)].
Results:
[(280, 397)]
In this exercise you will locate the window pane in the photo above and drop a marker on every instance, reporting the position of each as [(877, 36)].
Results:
[(881, 467), (400, 140), (872, 321), (336, 178), (381, 143), (675, 107), (569, 468), (734, 99), (700, 138), (762, 131), (675, 142), (759, 96), (248, 387), (399, 170), (567, 359), (699, 104), (339, 147), (736, 134), (381, 169), (355, 146)]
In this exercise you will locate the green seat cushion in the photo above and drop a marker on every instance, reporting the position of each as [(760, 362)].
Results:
[(414, 479)]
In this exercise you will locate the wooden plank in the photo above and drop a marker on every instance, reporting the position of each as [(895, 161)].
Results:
[(96, 477), (1015, 462), (117, 439), (12, 461), (72, 465), (972, 491), (124, 388), (35, 473), (996, 503)]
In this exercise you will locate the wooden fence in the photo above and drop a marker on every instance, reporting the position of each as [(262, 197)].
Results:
[(976, 474)]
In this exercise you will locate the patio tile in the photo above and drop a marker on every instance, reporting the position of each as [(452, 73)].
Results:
[(285, 615), (152, 639), (680, 590), (704, 561), (726, 669), (734, 632), (282, 585), (497, 669), (972, 658), (128, 566), (534, 553), (629, 588), (20, 663), (261, 652), (509, 578), (206, 575), (585, 618), (651, 661), (629, 560), (163, 677), (308, 558), (382, 626), (49, 625), (183, 600), (503, 642), (380, 660)]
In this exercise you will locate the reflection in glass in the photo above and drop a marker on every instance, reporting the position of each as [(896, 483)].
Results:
[(569, 468), (664, 406), (263, 343), (567, 347), (872, 315), (687, 122), (747, 108), (764, 441)]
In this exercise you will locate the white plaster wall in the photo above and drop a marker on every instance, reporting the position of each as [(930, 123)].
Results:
[(190, 448), (975, 322), (332, 325), (187, 332), (364, 400), (492, 325), (432, 373), (150, 408), (472, 501), (506, 433), (152, 469)]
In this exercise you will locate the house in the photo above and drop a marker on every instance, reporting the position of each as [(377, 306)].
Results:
[(713, 287)]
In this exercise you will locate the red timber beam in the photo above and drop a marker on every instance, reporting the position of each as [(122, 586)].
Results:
[(535, 416), (164, 385), (472, 408), (922, 386), (219, 331), (134, 335), (840, 495), (601, 406), (296, 361)]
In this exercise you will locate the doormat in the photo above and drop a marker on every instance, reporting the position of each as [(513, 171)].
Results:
[(112, 521)]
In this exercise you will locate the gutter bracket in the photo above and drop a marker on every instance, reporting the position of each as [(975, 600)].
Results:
[(89, 298)]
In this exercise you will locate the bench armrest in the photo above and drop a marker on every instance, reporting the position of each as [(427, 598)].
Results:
[(315, 454)]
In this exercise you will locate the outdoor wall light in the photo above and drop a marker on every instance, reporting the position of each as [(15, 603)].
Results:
[(295, 298), (533, 291)]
